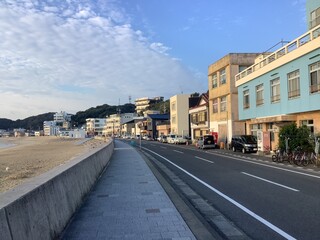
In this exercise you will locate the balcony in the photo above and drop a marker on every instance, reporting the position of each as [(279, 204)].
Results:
[(290, 47)]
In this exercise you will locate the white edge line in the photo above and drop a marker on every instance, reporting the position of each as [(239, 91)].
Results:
[(278, 184), (243, 208), (204, 159)]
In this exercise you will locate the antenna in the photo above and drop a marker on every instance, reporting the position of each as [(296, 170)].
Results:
[(129, 99)]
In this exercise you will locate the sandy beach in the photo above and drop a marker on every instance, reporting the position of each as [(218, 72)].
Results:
[(22, 158)]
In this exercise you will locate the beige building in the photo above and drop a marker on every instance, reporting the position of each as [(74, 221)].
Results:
[(179, 114), (143, 103), (223, 94)]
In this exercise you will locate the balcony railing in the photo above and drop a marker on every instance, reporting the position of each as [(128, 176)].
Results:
[(293, 45)]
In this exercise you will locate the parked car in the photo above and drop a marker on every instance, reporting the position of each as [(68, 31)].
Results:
[(244, 143), (206, 141), (180, 140), (163, 139), (170, 138), (147, 137)]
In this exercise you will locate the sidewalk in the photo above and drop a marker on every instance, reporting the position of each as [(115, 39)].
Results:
[(128, 202)]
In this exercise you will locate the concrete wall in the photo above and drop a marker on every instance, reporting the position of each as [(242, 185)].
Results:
[(42, 207)]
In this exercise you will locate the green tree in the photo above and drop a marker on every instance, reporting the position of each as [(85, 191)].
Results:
[(297, 137)]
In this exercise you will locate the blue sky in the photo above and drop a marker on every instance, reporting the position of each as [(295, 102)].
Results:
[(70, 55)]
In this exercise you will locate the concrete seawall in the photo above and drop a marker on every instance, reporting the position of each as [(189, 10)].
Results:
[(41, 207)]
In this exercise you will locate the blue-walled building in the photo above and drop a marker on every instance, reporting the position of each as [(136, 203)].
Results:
[(284, 86)]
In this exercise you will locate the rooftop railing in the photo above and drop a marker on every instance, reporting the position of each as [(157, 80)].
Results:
[(291, 46)]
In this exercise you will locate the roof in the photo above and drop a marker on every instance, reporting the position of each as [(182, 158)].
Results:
[(159, 116)]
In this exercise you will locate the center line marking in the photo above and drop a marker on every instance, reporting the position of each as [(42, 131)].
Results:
[(293, 189), (204, 159), (177, 151)]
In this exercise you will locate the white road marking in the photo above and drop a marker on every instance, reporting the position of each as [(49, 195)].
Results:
[(177, 151), (278, 184), (265, 165), (204, 159), (243, 208)]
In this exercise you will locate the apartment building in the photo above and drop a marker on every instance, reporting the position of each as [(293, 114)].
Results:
[(94, 126), (223, 94), (283, 87), (60, 117), (114, 122), (144, 102), (199, 117), (179, 114)]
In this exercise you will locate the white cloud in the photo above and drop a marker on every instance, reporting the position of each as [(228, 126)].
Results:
[(70, 57)]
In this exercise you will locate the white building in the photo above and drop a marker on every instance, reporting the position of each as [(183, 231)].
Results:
[(94, 126), (62, 117), (114, 124), (144, 102), (50, 128), (179, 114)]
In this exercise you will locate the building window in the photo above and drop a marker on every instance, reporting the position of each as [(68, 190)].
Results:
[(259, 95), (173, 106), (294, 84), (246, 99), (214, 81), (309, 124), (314, 18), (275, 90), (173, 119), (242, 68), (215, 105), (315, 77), (194, 118), (202, 117), (223, 78), (223, 104)]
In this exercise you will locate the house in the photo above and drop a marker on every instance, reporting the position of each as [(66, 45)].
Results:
[(223, 94), (199, 117), (283, 87)]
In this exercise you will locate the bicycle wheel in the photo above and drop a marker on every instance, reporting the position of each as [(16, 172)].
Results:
[(298, 160), (274, 158), (305, 161)]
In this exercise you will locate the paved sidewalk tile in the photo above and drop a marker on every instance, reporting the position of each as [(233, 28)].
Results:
[(128, 202)]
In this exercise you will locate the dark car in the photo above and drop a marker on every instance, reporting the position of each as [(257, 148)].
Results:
[(206, 141), (244, 143)]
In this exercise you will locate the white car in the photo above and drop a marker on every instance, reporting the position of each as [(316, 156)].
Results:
[(180, 140)]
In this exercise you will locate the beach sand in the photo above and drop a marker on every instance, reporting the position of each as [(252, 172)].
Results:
[(26, 157)]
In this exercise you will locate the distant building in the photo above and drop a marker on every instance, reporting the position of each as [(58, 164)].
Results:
[(179, 113), (50, 128), (94, 126), (114, 124), (62, 117), (144, 102)]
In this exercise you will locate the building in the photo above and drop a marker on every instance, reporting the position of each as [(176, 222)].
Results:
[(223, 95), (283, 87), (143, 103), (114, 122), (179, 113), (50, 128), (199, 117), (153, 120), (62, 117), (94, 126)]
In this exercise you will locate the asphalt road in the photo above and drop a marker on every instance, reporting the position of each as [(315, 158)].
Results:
[(264, 199)]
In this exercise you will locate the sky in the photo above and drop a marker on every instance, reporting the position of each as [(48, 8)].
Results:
[(71, 55)]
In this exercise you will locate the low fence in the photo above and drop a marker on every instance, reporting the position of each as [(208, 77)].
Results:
[(42, 207)]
